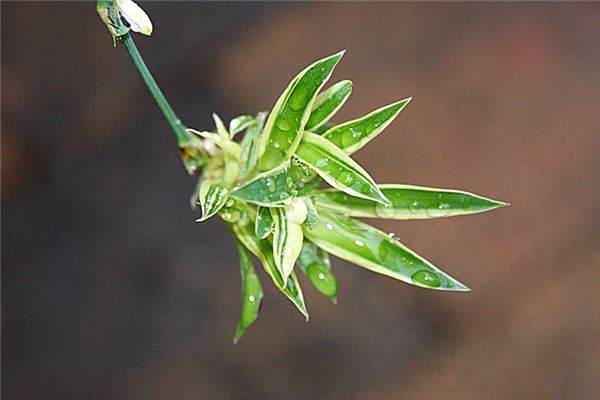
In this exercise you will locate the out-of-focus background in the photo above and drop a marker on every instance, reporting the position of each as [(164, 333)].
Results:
[(111, 291)]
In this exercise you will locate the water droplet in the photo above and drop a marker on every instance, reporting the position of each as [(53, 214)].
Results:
[(229, 203), (347, 178), (438, 210), (283, 124), (270, 184), (414, 207), (321, 162), (359, 243), (394, 236), (385, 212), (329, 226), (426, 278), (299, 99), (251, 298)]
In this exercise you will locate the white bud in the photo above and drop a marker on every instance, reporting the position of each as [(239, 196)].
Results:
[(136, 17), (297, 211)]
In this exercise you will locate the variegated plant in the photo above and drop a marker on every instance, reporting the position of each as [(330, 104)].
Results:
[(287, 188)]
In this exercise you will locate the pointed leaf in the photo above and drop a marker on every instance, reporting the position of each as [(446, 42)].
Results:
[(221, 130), (270, 189), (314, 262), (264, 222), (240, 123), (338, 169), (212, 198), (251, 147), (286, 122), (353, 135), (328, 103), (361, 244), (287, 235), (252, 293), (407, 202), (243, 229)]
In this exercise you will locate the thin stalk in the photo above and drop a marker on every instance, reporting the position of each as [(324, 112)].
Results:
[(161, 101)]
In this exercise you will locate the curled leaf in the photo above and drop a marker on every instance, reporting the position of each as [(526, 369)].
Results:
[(314, 262), (243, 229), (287, 235), (252, 292), (264, 222), (212, 198), (240, 123)]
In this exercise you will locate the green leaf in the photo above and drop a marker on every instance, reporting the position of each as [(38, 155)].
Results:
[(286, 122), (269, 189), (264, 222), (407, 202), (221, 130), (314, 262), (212, 198), (287, 235), (328, 103), (240, 123), (252, 292), (322, 129), (351, 136), (251, 147), (337, 169), (243, 229), (361, 244)]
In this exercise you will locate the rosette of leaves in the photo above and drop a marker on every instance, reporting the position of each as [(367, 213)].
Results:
[(265, 176)]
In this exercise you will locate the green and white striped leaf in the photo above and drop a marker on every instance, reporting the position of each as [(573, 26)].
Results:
[(287, 235), (264, 222), (322, 129), (251, 147), (212, 198), (407, 202), (337, 168), (351, 136), (240, 123), (286, 121), (269, 189), (315, 263), (252, 292), (243, 229), (328, 103), (361, 244)]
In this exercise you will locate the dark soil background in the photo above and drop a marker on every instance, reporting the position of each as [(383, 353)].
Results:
[(111, 291)]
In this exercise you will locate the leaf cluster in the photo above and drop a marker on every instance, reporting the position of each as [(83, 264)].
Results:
[(264, 176)]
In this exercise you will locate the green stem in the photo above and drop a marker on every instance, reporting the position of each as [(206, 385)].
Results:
[(165, 107)]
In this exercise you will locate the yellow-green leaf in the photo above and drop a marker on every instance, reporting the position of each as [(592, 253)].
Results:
[(351, 136), (407, 202), (212, 198), (328, 103), (361, 244), (337, 168), (286, 121)]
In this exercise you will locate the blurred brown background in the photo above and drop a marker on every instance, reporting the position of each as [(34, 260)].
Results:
[(110, 291)]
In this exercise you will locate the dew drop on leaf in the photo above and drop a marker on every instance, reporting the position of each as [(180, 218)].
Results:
[(426, 278)]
